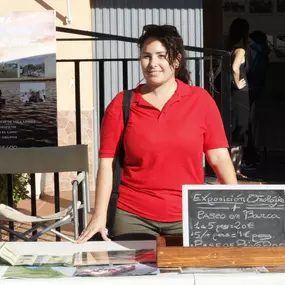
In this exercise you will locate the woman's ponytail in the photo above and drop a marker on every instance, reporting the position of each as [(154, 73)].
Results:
[(182, 72)]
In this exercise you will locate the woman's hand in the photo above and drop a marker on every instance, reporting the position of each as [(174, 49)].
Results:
[(103, 191), (96, 225), (241, 84)]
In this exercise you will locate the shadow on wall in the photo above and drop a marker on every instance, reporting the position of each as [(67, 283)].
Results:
[(150, 4), (48, 7)]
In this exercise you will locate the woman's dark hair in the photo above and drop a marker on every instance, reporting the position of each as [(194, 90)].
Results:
[(173, 43), (238, 34), (259, 37)]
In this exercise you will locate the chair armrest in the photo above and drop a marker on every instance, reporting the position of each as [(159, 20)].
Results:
[(79, 178)]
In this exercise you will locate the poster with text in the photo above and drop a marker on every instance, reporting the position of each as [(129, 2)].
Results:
[(28, 103)]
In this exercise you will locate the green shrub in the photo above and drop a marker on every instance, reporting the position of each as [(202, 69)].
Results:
[(20, 188)]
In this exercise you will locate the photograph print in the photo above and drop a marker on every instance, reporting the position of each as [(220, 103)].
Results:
[(28, 115), (281, 6), (28, 100), (38, 101), (31, 93), (32, 67), (234, 6), (260, 6), (281, 41), (8, 70)]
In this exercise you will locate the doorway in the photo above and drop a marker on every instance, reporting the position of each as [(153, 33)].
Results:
[(268, 111)]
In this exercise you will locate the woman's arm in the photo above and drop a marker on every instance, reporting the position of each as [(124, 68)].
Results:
[(111, 131), (104, 184), (103, 191), (221, 162), (239, 58)]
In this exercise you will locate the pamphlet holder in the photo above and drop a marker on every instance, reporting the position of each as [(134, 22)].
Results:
[(171, 253)]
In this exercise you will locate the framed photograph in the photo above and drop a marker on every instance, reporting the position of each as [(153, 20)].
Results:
[(281, 41), (281, 6), (234, 6), (260, 6)]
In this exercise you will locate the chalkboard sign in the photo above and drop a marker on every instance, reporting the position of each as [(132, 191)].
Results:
[(233, 215)]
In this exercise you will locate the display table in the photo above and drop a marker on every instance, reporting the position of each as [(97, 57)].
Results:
[(130, 280), (64, 248), (240, 279)]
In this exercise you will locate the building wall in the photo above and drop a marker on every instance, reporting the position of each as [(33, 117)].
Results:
[(213, 24), (126, 18), (81, 19)]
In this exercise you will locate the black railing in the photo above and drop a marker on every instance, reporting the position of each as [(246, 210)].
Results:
[(209, 55), (224, 102)]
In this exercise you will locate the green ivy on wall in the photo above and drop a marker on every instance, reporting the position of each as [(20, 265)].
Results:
[(20, 188)]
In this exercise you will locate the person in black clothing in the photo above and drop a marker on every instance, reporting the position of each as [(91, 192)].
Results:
[(238, 45), (259, 62), (257, 73)]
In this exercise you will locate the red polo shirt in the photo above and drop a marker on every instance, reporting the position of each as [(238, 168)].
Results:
[(163, 149)]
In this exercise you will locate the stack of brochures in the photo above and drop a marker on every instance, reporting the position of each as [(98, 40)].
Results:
[(128, 262), (9, 256)]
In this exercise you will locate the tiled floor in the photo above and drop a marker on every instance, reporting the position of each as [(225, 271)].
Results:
[(45, 206)]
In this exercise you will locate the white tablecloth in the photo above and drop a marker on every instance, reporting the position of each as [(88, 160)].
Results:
[(130, 280), (64, 248), (240, 279)]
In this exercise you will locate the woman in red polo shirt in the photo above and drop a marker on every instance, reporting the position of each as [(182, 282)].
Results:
[(171, 125)]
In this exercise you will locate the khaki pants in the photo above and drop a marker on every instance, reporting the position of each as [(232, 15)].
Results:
[(128, 226)]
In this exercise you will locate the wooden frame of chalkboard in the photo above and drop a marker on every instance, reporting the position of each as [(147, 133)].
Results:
[(171, 253), (233, 216)]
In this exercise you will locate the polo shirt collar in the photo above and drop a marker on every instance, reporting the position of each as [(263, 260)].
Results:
[(175, 97)]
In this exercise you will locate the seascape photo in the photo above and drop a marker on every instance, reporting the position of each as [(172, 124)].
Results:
[(32, 92), (28, 116), (33, 67), (28, 99)]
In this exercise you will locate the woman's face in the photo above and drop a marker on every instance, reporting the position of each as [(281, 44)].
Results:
[(154, 62)]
